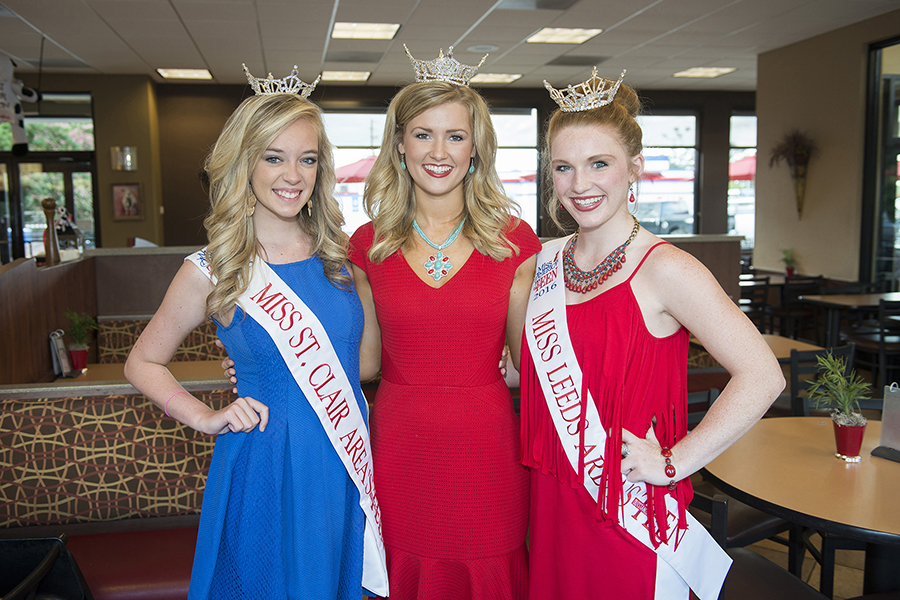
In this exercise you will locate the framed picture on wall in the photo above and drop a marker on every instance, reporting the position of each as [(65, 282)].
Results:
[(127, 205)]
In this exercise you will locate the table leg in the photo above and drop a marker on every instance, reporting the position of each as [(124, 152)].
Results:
[(881, 574)]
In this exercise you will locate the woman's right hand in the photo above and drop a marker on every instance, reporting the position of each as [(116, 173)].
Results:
[(242, 415)]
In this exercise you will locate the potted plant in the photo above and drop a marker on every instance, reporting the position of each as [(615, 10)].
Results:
[(790, 264), (842, 393), (795, 149), (80, 333)]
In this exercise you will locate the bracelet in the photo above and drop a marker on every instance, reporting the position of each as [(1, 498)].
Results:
[(670, 468), (166, 406)]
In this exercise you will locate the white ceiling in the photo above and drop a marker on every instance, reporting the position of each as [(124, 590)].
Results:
[(651, 38)]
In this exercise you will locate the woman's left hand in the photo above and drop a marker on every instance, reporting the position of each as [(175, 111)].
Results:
[(644, 461)]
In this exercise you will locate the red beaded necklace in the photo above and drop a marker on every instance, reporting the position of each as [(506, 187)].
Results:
[(587, 281)]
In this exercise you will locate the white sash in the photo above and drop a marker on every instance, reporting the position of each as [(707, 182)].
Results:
[(307, 351), (690, 558)]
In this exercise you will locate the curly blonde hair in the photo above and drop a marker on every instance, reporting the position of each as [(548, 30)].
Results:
[(229, 227), (389, 197), (619, 115)]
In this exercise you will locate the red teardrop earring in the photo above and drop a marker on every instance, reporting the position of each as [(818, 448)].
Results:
[(631, 197)]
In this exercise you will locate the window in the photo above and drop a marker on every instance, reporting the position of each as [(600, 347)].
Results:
[(742, 178), (666, 193), (357, 141), (58, 165)]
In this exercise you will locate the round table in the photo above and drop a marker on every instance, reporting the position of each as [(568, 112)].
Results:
[(786, 467)]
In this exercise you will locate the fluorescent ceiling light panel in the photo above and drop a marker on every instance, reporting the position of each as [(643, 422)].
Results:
[(345, 75), (705, 72), (495, 77), (365, 31), (184, 73), (559, 35)]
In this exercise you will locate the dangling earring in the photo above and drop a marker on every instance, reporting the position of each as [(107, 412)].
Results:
[(471, 165), (403, 161), (631, 191), (309, 208), (251, 208)]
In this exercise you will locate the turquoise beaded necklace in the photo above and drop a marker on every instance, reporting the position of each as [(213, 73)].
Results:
[(438, 265)]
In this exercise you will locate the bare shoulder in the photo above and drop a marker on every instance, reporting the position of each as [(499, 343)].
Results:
[(668, 264)]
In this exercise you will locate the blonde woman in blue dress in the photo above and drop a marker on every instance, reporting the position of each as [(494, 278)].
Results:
[(289, 509)]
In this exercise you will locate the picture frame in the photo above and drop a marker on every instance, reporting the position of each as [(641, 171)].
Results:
[(127, 203)]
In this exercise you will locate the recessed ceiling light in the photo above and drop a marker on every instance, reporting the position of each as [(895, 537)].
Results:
[(495, 77), (345, 75), (560, 35), (365, 31), (185, 73), (482, 48), (705, 72)]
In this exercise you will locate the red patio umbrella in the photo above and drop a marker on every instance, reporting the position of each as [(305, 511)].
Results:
[(355, 171), (743, 169)]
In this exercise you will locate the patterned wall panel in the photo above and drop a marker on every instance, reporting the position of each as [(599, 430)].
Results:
[(88, 459), (116, 338)]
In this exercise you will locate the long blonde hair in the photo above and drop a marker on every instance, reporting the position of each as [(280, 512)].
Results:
[(389, 197), (229, 227), (619, 115)]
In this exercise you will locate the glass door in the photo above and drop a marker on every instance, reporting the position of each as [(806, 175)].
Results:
[(70, 184)]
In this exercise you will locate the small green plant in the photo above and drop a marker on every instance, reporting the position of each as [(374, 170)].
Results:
[(787, 257), (80, 330), (841, 393)]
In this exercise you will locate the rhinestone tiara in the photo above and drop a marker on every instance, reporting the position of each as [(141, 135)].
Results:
[(291, 84), (593, 93), (443, 68)]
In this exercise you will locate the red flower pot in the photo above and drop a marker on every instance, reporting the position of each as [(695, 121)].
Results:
[(849, 440), (789, 271), (79, 359)]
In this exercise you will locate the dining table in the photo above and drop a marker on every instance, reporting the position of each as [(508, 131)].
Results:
[(787, 467), (836, 304)]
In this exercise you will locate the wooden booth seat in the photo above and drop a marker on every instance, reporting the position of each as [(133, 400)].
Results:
[(121, 479)]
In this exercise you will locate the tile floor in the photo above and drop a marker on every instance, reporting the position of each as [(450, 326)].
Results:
[(848, 570)]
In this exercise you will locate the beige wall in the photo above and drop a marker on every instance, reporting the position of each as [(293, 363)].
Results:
[(125, 114), (819, 87)]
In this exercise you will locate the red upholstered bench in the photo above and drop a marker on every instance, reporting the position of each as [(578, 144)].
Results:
[(136, 565)]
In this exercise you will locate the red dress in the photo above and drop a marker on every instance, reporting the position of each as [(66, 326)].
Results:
[(445, 437), (577, 551)]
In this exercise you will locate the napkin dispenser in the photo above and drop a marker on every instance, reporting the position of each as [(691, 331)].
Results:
[(889, 446)]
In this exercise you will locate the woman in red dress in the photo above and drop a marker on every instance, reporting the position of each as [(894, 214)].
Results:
[(628, 325), (442, 267)]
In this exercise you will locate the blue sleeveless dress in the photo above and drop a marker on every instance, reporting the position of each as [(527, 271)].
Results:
[(281, 517)]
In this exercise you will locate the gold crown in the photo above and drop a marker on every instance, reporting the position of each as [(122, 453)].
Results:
[(289, 85), (593, 93), (443, 68)]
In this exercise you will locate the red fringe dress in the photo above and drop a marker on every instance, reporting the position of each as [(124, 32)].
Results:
[(445, 437), (577, 548)]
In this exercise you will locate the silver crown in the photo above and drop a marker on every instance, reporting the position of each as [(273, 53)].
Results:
[(291, 84), (593, 93), (443, 68)]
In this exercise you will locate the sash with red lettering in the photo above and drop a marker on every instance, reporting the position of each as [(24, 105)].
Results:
[(307, 351), (688, 559)]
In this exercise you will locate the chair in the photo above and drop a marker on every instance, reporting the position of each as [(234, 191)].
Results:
[(754, 299), (41, 569), (751, 576), (793, 316), (878, 346)]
